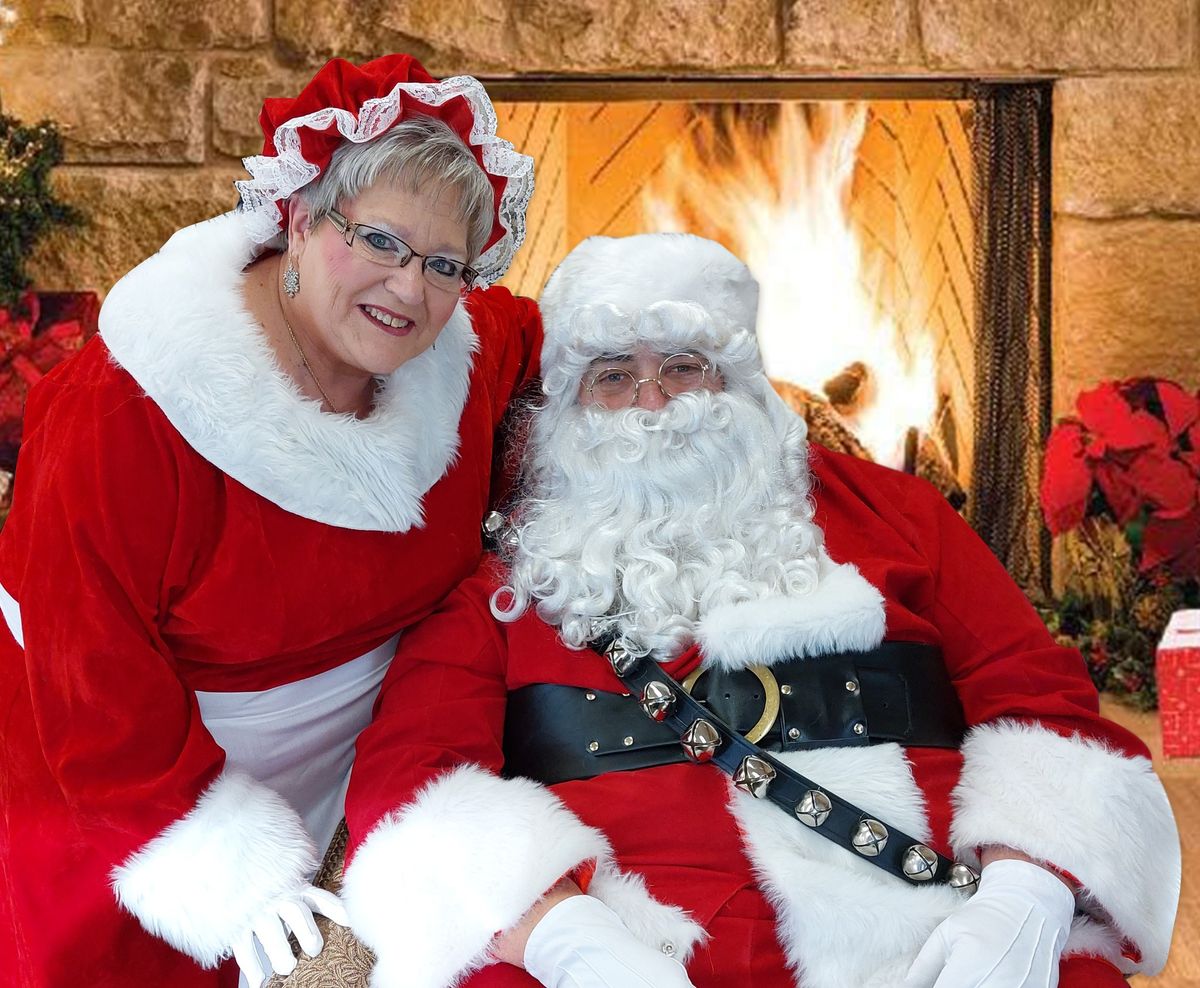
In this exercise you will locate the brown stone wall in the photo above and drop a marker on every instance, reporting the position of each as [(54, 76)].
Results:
[(159, 100)]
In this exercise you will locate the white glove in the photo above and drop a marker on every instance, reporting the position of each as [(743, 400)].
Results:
[(581, 943), (1010, 934), (264, 950)]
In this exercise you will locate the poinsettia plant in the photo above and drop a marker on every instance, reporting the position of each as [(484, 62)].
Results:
[(1131, 454), (1121, 490)]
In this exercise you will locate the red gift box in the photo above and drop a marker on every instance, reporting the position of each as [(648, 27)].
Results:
[(1178, 669)]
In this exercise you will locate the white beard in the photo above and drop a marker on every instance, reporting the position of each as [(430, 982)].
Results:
[(639, 522)]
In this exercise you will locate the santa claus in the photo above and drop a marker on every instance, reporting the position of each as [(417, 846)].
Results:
[(836, 616)]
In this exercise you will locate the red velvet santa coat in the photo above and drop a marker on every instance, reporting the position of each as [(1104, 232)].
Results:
[(186, 525), (445, 853)]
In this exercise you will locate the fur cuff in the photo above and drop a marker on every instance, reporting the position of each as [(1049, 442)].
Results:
[(844, 613), (666, 928), (1090, 811), (432, 884), (200, 882)]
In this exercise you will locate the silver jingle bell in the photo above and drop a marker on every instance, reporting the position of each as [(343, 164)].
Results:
[(870, 837), (621, 659), (701, 741), (657, 701), (814, 808), (754, 776), (963, 878), (493, 521), (920, 863)]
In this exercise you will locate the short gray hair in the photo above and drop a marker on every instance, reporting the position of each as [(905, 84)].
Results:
[(421, 153)]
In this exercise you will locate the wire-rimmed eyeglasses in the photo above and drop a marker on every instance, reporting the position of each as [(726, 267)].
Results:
[(385, 248), (614, 387)]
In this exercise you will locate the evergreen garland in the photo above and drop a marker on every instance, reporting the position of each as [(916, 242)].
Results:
[(28, 207)]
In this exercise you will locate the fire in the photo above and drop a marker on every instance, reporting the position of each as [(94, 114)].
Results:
[(777, 197)]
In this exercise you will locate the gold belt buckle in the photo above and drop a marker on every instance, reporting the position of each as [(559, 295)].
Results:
[(770, 705)]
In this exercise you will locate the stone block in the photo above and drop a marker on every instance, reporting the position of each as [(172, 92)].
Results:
[(450, 37), (1063, 35), (538, 35), (178, 23), (131, 212), (1126, 145), (1125, 302), (238, 90), (47, 22), (827, 34), (112, 107), (626, 35)]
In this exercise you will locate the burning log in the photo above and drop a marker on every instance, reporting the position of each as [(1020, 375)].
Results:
[(849, 390), (923, 456)]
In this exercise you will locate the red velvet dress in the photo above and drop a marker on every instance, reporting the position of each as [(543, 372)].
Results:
[(140, 575)]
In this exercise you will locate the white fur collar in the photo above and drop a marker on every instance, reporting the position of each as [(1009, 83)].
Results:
[(178, 323), (844, 613)]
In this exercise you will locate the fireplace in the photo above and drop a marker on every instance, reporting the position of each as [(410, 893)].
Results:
[(899, 232)]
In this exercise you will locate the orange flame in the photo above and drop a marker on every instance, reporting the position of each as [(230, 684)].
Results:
[(777, 197)]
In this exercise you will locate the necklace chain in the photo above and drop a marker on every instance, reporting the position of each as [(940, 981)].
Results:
[(308, 367), (304, 360)]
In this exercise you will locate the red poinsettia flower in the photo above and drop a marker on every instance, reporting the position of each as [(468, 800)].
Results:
[(1173, 543), (1166, 483), (1066, 478), (1115, 424), (1138, 442), (1181, 410)]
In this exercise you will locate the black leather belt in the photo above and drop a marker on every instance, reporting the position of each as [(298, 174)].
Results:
[(897, 692)]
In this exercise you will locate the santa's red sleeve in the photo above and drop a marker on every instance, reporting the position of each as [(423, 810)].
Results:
[(509, 328), (444, 853), (1043, 772), (100, 538)]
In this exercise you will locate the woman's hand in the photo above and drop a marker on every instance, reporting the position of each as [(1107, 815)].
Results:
[(581, 943), (264, 950), (1010, 934)]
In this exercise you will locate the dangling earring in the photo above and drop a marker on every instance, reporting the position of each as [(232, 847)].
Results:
[(291, 280)]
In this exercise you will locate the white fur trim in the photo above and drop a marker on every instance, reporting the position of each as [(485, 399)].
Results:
[(433, 883), (654, 923), (841, 920), (178, 323), (1084, 808), (200, 883), (844, 613)]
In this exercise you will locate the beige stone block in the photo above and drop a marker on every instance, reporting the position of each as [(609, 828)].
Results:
[(858, 34), (1017, 35), (1126, 302), (131, 212), (447, 38), (178, 23), (628, 35), (1125, 145), (238, 90), (538, 35), (110, 106), (47, 22)]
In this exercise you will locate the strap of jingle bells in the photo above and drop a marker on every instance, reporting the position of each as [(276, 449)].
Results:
[(706, 738)]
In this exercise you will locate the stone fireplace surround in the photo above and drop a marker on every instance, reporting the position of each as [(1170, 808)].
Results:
[(159, 101)]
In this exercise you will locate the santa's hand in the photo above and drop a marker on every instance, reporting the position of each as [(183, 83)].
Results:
[(264, 950), (1010, 934), (581, 943)]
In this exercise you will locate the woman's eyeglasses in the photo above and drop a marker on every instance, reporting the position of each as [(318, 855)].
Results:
[(384, 248)]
